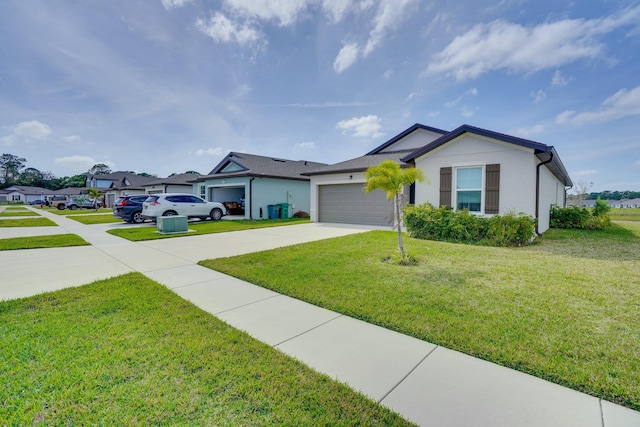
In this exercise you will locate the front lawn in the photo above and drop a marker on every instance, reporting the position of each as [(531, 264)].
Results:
[(16, 212), (95, 218), (566, 309), (128, 351), (626, 214), (57, 211), (204, 227), (27, 222), (34, 242)]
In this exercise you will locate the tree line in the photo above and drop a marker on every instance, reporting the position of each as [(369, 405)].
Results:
[(13, 171), (614, 195)]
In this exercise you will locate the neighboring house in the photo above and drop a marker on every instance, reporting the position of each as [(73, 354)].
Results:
[(179, 183), (624, 204), (249, 184), (468, 168), (24, 194), (117, 184), (337, 191)]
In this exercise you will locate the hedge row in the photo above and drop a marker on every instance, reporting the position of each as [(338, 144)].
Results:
[(427, 222), (596, 218)]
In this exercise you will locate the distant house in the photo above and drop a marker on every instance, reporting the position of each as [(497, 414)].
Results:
[(470, 168), (117, 184), (24, 194), (179, 183), (248, 184)]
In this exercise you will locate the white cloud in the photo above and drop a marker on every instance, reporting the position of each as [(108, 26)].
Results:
[(453, 102), (502, 45), (218, 151), (346, 57), (72, 138), (623, 103), (32, 130), (337, 9), (539, 96), (532, 130), (81, 162), (285, 11), (467, 111), (174, 4), (388, 74), (473, 91), (365, 126), (222, 29), (306, 145), (559, 80), (26, 131), (389, 15)]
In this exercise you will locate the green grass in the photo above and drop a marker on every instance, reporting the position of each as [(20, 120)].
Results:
[(15, 212), (33, 242), (128, 351), (95, 219), (566, 309), (628, 214), (27, 222), (57, 211), (204, 227)]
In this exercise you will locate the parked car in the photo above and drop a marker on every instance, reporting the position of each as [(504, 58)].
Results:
[(168, 204), (74, 204), (37, 202), (129, 208), (59, 202)]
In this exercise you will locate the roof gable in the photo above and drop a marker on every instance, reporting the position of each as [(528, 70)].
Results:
[(396, 143), (243, 164), (545, 153)]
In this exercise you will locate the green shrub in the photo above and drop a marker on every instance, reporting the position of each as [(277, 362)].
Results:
[(427, 222), (580, 217)]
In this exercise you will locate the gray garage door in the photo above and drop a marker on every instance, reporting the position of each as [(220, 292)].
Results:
[(349, 204)]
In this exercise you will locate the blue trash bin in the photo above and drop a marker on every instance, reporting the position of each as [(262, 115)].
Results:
[(274, 211)]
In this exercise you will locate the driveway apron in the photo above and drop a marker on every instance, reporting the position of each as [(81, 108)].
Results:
[(425, 383)]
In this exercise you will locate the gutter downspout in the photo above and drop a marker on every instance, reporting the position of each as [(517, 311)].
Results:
[(538, 189), (250, 197)]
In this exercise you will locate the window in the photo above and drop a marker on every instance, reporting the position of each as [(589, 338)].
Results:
[(203, 192), (469, 188)]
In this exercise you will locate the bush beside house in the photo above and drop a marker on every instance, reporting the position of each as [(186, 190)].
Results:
[(596, 218)]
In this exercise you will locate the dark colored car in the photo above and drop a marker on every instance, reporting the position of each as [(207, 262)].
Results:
[(129, 208), (37, 202)]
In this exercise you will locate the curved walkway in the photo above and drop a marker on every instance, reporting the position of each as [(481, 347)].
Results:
[(425, 383)]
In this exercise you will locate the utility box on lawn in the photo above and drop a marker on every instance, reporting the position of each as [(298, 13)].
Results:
[(172, 224)]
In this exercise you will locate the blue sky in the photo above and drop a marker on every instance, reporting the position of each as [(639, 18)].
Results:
[(164, 86)]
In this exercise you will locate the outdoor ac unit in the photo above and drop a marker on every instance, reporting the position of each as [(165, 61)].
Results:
[(172, 224)]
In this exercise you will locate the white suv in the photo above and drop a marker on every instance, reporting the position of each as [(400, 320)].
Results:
[(169, 204)]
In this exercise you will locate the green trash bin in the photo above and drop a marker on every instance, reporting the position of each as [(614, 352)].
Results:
[(284, 210)]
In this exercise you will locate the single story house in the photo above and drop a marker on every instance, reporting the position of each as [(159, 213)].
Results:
[(178, 183), (117, 184), (248, 184), (24, 194), (470, 168)]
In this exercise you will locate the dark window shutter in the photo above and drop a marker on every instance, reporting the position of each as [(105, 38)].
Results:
[(492, 189), (445, 187)]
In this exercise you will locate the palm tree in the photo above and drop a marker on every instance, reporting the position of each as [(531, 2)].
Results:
[(94, 194), (391, 178)]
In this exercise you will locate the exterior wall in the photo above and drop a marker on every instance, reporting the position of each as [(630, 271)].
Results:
[(517, 175), (551, 193), (170, 188), (259, 193), (517, 170), (416, 139), (111, 196), (340, 178)]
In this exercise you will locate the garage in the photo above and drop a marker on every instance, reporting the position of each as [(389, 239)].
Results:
[(349, 204)]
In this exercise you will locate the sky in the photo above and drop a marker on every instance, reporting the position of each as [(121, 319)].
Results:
[(168, 86)]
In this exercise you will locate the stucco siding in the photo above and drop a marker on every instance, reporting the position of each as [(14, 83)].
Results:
[(551, 193), (517, 170)]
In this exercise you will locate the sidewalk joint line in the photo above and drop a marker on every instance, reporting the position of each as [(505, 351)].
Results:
[(408, 373), (247, 304), (309, 330)]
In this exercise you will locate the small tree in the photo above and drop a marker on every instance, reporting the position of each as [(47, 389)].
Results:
[(94, 194), (391, 178)]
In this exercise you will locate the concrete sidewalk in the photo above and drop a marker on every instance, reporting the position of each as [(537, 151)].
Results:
[(425, 383)]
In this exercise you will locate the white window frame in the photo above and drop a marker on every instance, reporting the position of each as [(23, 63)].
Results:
[(454, 185)]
